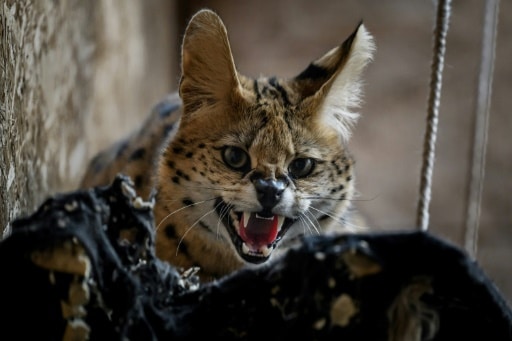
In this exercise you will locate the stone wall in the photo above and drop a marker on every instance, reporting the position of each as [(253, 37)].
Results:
[(74, 75)]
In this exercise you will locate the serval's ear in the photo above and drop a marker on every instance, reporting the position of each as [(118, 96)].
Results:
[(332, 83), (208, 71)]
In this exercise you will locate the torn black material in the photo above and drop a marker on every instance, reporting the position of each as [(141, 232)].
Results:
[(83, 267)]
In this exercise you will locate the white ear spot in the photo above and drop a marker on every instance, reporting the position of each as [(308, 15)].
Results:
[(344, 93)]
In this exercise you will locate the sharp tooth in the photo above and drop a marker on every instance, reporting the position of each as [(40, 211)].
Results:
[(245, 249), (245, 217), (280, 221), (266, 250), (266, 218)]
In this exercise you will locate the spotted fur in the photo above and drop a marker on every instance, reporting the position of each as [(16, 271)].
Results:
[(229, 147)]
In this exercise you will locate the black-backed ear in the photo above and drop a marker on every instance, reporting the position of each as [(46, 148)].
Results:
[(332, 83), (208, 71)]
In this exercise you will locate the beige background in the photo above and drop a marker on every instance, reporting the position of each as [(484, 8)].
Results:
[(77, 75)]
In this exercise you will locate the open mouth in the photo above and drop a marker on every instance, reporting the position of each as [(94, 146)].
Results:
[(254, 234)]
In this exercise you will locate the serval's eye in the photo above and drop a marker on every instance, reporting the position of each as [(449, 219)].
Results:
[(301, 167), (236, 158)]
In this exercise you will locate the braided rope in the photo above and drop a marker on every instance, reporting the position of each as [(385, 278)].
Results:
[(480, 126), (440, 32)]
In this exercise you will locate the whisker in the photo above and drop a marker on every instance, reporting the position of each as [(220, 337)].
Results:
[(303, 223), (330, 214), (317, 197), (353, 226), (312, 224), (223, 213), (194, 224), (181, 209), (339, 220)]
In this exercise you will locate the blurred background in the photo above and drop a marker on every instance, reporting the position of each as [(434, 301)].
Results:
[(116, 59)]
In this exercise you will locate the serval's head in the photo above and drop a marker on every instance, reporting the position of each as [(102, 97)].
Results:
[(257, 162)]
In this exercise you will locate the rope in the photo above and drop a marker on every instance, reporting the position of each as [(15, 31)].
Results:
[(440, 32), (480, 126)]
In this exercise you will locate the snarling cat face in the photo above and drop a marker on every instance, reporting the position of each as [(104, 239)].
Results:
[(257, 162)]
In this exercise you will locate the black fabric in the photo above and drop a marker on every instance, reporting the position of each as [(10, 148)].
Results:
[(331, 287)]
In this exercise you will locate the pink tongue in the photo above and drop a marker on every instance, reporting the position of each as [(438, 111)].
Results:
[(259, 231)]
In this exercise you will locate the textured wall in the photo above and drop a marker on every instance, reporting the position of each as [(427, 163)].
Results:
[(74, 75), (46, 78)]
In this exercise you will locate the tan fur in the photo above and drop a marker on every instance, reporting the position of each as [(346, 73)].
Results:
[(410, 319), (279, 126)]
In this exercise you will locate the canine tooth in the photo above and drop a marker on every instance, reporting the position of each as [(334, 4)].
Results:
[(266, 250), (245, 249), (280, 221), (246, 216)]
